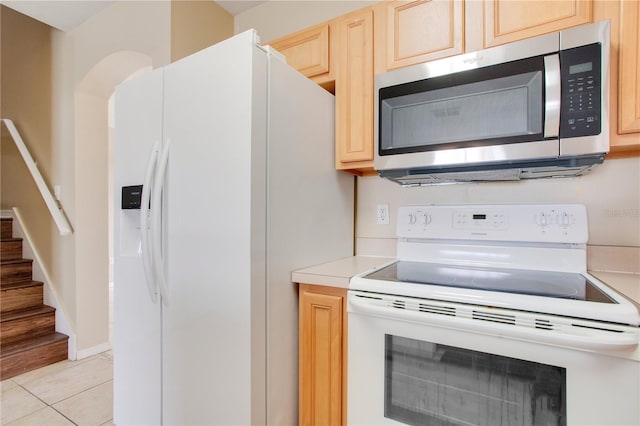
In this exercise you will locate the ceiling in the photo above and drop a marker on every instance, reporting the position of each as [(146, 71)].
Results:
[(238, 6), (67, 14)]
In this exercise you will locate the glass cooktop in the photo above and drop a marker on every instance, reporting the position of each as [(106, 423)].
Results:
[(561, 285)]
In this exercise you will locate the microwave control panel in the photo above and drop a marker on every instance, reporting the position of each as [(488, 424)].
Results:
[(581, 109)]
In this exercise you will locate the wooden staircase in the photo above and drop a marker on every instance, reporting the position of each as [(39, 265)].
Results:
[(28, 339)]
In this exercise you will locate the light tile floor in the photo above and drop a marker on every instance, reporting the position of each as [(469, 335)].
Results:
[(65, 393)]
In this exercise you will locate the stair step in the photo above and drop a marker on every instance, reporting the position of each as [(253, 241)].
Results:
[(26, 355), (6, 228), (26, 323), (28, 339), (21, 295), (15, 271), (11, 248)]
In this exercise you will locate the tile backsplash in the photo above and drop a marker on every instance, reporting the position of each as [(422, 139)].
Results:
[(611, 193)]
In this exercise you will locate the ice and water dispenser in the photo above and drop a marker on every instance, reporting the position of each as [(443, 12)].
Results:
[(131, 197)]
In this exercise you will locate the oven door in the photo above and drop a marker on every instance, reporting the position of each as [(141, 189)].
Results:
[(418, 367)]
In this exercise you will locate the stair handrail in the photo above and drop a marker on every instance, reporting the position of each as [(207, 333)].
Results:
[(54, 206)]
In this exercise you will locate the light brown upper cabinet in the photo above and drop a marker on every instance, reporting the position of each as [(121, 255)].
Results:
[(413, 32), (354, 92), (310, 52), (629, 84), (507, 20), (624, 102)]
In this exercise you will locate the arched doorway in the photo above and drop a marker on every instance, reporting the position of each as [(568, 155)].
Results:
[(93, 133)]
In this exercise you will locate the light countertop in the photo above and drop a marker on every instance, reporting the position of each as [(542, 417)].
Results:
[(627, 284), (339, 272)]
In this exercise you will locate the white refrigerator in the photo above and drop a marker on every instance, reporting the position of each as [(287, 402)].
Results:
[(234, 152)]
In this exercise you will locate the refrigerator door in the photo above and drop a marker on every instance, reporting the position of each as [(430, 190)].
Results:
[(213, 243), (137, 379)]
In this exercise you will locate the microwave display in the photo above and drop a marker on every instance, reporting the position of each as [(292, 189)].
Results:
[(580, 68)]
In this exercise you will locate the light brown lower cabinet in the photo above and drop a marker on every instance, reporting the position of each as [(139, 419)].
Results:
[(323, 355)]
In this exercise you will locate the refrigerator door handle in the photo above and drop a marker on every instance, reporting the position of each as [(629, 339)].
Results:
[(156, 222), (147, 260)]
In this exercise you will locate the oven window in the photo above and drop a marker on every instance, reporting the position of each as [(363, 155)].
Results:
[(432, 384)]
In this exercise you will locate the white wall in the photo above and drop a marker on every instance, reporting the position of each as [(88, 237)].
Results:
[(611, 192), (277, 18)]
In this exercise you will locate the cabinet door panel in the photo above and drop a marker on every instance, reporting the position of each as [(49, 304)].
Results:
[(307, 50), (423, 30), (321, 358), (507, 21), (629, 84), (354, 90)]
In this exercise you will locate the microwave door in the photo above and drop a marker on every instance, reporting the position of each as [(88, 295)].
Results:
[(463, 116)]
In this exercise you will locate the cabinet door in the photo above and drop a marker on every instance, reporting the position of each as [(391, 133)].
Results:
[(624, 106), (422, 30), (506, 20), (354, 91), (309, 51), (322, 363), (629, 84)]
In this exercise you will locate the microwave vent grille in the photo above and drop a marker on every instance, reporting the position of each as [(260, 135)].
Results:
[(494, 172)]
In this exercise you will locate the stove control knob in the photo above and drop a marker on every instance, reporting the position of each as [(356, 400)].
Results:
[(412, 218), (565, 219), (426, 219), (544, 219)]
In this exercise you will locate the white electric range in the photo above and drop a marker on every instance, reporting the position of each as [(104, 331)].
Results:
[(489, 317)]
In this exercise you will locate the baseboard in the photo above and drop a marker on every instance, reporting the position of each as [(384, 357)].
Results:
[(94, 350)]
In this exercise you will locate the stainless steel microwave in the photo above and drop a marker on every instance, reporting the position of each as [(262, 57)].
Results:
[(529, 109)]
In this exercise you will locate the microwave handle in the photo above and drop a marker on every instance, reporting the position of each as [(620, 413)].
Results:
[(552, 96)]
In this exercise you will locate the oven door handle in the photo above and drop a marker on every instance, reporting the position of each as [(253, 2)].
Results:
[(579, 337)]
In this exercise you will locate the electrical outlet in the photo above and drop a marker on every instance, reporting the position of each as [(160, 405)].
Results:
[(382, 214)]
